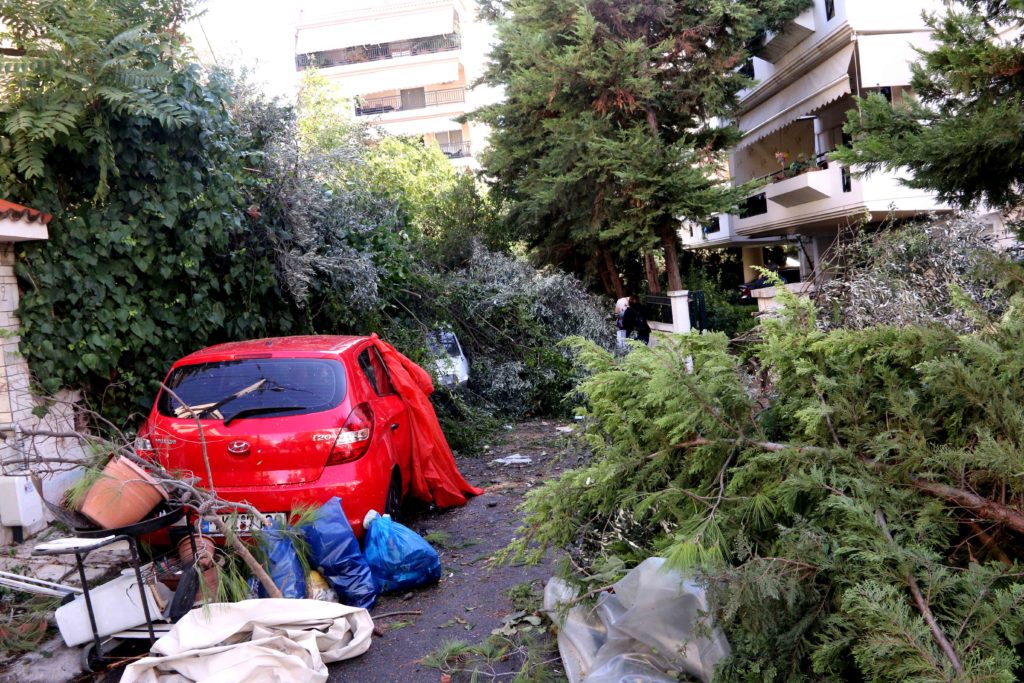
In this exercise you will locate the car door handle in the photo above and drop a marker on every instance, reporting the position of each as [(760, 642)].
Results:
[(394, 426)]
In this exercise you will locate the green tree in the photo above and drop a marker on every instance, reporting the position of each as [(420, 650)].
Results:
[(138, 157), (446, 209), (607, 134), (962, 136)]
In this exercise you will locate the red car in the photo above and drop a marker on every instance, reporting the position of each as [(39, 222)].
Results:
[(287, 421)]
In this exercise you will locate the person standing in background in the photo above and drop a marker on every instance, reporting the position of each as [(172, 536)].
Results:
[(635, 320), (620, 333)]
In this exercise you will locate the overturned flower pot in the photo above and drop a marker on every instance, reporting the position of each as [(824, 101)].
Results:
[(123, 494)]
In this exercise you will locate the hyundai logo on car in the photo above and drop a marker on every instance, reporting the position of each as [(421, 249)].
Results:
[(238, 447)]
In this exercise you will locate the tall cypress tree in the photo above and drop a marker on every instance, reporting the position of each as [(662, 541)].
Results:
[(962, 136), (609, 134)]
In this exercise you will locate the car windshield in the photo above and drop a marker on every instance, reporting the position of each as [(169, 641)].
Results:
[(265, 387), (444, 343)]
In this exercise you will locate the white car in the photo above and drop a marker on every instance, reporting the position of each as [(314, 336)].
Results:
[(451, 365)]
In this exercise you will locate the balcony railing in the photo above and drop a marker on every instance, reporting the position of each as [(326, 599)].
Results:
[(456, 150), (372, 53), (434, 98)]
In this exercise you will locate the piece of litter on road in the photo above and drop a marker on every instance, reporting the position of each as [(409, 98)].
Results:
[(566, 429), (514, 459), (492, 503), (509, 427)]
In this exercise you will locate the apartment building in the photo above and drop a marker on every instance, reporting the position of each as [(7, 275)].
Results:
[(806, 78), (406, 65)]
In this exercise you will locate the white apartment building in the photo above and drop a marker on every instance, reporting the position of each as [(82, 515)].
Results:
[(806, 77), (407, 65)]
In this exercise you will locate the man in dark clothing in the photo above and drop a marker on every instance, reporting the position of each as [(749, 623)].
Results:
[(635, 320)]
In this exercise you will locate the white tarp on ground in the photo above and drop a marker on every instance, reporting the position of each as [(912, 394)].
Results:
[(650, 628), (256, 641)]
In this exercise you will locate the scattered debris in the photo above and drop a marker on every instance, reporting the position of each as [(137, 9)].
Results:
[(566, 429), (514, 459), (651, 625), (517, 622)]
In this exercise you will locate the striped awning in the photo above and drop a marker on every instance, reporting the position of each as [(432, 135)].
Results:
[(826, 83)]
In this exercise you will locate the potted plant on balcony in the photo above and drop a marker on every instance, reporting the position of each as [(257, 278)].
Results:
[(781, 158)]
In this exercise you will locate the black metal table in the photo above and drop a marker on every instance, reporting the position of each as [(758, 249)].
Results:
[(106, 537)]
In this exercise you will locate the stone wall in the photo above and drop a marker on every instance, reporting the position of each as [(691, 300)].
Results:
[(17, 404)]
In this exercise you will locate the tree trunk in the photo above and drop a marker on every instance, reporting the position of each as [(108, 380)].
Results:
[(653, 280), (668, 242), (613, 274), (602, 272)]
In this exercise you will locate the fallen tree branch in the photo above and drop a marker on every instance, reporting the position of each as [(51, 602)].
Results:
[(922, 606), (250, 561), (984, 508)]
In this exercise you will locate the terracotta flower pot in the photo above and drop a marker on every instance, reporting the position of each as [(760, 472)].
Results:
[(206, 549), (123, 494)]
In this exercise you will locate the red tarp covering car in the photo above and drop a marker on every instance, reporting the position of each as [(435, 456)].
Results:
[(435, 476)]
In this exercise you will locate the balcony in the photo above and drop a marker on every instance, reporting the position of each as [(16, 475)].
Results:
[(372, 53), (456, 150), (809, 186), (795, 31), (372, 106), (826, 198)]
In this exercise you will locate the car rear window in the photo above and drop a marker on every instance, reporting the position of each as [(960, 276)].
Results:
[(265, 387), (441, 343)]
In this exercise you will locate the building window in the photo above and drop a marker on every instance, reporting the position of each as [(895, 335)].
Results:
[(754, 206), (830, 9)]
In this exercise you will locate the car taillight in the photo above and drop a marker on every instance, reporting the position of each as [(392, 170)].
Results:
[(355, 436)]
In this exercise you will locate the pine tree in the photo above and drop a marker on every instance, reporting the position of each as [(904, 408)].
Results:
[(850, 499), (963, 137), (607, 134)]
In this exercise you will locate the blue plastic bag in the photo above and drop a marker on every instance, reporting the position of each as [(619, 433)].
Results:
[(334, 551), (399, 557), (283, 564)]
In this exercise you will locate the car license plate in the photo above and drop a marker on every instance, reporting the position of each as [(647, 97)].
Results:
[(244, 523)]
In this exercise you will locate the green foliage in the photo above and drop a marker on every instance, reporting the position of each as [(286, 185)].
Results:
[(605, 137), (937, 270), (724, 312), (104, 306), (239, 222), (246, 218), (962, 136), (446, 209), (795, 486), (510, 318)]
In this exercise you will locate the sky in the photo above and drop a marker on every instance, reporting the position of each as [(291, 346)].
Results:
[(255, 34)]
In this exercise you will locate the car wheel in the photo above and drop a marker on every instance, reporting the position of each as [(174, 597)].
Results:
[(393, 502)]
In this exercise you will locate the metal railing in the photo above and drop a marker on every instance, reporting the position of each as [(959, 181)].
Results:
[(433, 98), (659, 309), (372, 53), (456, 150)]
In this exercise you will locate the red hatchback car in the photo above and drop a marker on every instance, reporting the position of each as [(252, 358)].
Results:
[(287, 421)]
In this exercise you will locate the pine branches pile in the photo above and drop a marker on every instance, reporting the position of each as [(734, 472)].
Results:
[(851, 498)]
